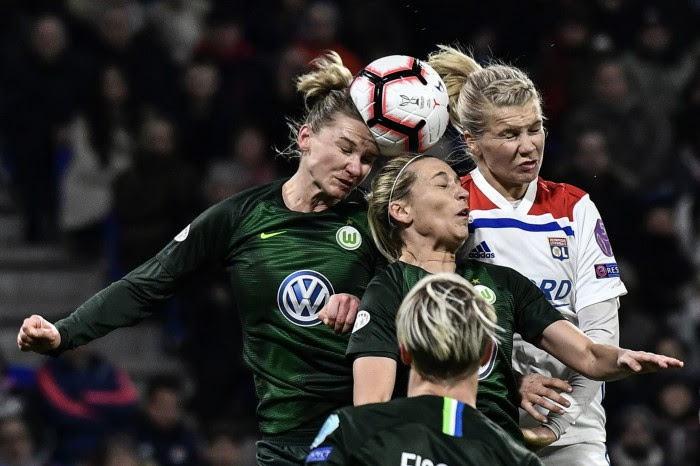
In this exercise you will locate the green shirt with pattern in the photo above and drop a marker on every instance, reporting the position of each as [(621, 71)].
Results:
[(422, 430), (283, 266), (520, 306)]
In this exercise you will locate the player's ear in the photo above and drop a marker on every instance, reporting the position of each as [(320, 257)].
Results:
[(400, 212), (489, 347), (406, 357), (304, 138), (473, 147)]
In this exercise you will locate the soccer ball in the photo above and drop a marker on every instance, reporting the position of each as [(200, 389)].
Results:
[(404, 103)]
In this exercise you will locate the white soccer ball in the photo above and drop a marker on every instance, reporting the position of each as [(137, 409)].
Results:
[(404, 103)]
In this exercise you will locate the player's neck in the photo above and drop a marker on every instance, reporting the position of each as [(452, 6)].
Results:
[(463, 390), (427, 254), (300, 195), (433, 261), (510, 191)]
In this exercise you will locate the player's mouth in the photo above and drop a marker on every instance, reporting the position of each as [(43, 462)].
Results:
[(463, 213), (528, 166), (346, 184)]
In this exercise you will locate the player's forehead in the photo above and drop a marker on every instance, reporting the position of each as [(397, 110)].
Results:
[(351, 131), (499, 118), (427, 168)]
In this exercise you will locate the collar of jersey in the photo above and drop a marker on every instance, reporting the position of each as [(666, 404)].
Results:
[(498, 199)]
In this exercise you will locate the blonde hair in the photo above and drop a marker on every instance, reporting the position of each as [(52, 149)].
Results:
[(447, 326), (475, 90), (392, 183), (326, 93)]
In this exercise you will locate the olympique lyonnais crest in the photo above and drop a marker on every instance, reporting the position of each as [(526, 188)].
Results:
[(302, 295), (559, 248)]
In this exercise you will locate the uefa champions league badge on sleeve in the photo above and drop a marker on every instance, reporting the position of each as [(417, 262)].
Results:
[(601, 237), (607, 270)]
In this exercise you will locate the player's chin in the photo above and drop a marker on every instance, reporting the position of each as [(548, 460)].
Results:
[(343, 188)]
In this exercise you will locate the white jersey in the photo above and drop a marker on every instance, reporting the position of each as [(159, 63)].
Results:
[(556, 238)]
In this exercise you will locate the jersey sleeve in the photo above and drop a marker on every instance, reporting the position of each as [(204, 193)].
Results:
[(374, 333), (328, 447), (533, 313), (131, 299), (597, 272)]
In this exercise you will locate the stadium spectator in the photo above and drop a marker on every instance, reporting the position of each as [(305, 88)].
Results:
[(162, 432), (102, 143), (205, 116), (43, 88), (678, 420), (637, 444), (155, 196), (320, 31), (225, 445), (84, 397), (630, 124), (17, 445), (120, 450)]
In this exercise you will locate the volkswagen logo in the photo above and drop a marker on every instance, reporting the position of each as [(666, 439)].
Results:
[(302, 295)]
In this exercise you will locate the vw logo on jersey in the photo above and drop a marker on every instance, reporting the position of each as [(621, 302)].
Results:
[(348, 238), (302, 295)]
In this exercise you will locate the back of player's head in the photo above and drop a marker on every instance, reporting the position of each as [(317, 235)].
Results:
[(446, 326)]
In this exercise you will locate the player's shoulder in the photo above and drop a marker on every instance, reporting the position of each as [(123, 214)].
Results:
[(391, 273), (557, 191), (250, 198), (500, 273), (558, 199), (379, 416)]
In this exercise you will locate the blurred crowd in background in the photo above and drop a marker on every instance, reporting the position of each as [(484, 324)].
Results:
[(120, 120)]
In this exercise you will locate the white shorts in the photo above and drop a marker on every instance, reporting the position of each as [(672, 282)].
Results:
[(578, 454)]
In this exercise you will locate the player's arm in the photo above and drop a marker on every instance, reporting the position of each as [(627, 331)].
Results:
[(599, 361), (599, 322), (131, 299), (373, 346), (374, 378), (124, 303)]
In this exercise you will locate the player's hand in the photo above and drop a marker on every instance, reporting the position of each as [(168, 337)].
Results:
[(38, 334), (641, 362), (339, 312), (538, 437), (539, 390)]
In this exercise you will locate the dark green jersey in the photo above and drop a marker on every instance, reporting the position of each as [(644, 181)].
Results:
[(423, 430), (520, 306), (283, 267)]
